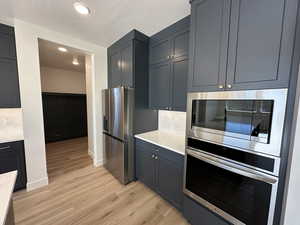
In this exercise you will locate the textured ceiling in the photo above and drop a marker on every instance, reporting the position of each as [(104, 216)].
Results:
[(109, 20), (51, 57)]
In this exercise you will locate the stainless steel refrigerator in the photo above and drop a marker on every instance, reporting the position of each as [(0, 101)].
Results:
[(118, 109)]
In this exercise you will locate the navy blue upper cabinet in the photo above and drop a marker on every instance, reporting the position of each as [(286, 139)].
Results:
[(208, 46), (9, 79), (7, 42), (257, 47), (160, 86), (169, 67), (122, 57), (239, 44), (114, 78)]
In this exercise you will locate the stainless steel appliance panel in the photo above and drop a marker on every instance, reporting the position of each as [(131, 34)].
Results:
[(117, 112), (115, 158), (105, 110), (243, 142), (205, 174)]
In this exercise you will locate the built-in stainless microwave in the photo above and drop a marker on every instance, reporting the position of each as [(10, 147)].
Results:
[(248, 120)]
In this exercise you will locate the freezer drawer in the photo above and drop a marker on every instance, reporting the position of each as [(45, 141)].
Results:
[(115, 158)]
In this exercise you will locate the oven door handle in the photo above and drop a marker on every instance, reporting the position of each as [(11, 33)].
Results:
[(237, 169)]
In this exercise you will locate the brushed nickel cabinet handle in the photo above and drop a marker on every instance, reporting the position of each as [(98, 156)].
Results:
[(156, 157), (3, 148), (221, 86), (153, 156), (229, 86)]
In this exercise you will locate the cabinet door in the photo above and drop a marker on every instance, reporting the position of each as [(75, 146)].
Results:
[(160, 86), (179, 90), (127, 62), (12, 158), (9, 84), (209, 43), (7, 44), (114, 78), (170, 179), (181, 44), (255, 45), (145, 165), (160, 51)]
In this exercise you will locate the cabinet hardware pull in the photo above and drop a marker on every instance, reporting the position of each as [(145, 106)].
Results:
[(153, 156), (3, 148), (229, 86), (221, 86), (156, 157)]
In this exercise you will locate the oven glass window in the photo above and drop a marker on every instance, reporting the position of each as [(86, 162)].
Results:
[(244, 198), (247, 119)]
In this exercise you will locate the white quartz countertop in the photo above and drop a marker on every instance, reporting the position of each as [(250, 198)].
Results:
[(168, 140), (7, 183)]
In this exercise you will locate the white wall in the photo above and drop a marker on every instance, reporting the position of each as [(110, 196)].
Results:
[(174, 122), (30, 86), (62, 81), (292, 194)]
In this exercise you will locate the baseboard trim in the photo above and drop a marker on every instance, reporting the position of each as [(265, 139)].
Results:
[(37, 184), (91, 153), (98, 163)]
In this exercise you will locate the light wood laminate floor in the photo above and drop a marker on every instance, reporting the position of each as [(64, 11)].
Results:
[(78, 193)]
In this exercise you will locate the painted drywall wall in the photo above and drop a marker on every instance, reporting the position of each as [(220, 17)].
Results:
[(30, 87), (170, 121), (62, 81), (292, 197)]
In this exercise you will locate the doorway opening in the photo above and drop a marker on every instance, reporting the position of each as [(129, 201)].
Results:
[(63, 85)]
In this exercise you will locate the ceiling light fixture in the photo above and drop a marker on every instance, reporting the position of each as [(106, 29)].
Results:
[(75, 61), (62, 49), (81, 8)]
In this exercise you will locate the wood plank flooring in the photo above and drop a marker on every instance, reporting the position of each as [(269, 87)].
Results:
[(79, 194)]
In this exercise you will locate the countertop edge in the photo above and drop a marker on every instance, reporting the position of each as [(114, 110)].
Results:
[(160, 145), (12, 176), (11, 140)]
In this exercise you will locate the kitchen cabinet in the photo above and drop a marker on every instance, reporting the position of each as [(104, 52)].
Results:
[(161, 170), (239, 45), (12, 157), (160, 86), (9, 80), (122, 57), (7, 42), (169, 66)]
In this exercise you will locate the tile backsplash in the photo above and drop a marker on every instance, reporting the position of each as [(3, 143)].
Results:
[(171, 121), (11, 125)]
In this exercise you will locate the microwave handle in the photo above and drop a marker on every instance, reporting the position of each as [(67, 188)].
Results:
[(244, 171)]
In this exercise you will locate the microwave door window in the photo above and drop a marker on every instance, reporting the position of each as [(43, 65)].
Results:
[(209, 114), (262, 120), (239, 117)]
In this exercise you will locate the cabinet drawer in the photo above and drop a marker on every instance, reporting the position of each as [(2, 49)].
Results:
[(12, 158)]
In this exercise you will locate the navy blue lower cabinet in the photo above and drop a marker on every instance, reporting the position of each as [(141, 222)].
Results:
[(161, 170), (12, 157), (197, 214)]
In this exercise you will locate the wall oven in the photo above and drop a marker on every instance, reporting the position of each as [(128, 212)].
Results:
[(250, 120), (233, 153)]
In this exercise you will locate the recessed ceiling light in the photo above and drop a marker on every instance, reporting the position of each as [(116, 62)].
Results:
[(62, 49), (75, 61), (81, 8)]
